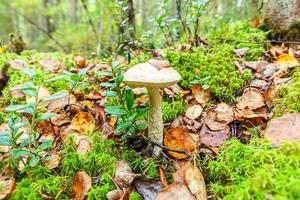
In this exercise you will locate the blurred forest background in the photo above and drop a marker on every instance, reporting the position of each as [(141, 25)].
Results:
[(105, 26)]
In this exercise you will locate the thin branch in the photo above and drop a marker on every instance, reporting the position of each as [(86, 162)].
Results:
[(254, 42), (36, 26)]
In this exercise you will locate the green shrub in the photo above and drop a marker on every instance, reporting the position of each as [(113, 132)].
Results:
[(255, 171), (172, 109)]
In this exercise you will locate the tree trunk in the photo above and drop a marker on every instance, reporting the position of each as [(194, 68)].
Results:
[(131, 18), (282, 15), (49, 25)]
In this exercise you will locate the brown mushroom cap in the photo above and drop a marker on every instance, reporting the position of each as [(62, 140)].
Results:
[(148, 75)]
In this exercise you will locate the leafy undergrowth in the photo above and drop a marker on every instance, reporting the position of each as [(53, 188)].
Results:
[(99, 163), (214, 65), (255, 171)]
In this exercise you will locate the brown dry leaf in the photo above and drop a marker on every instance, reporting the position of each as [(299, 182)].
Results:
[(124, 175), (84, 144), (255, 22), (61, 119), (176, 191), (94, 95), (177, 138), (258, 66), (287, 61), (159, 64), (50, 64), (61, 103), (276, 51), (211, 121), (107, 130), (43, 93), (163, 177), (185, 47), (147, 188), (285, 128), (241, 52), (247, 113), (82, 184), (196, 182), (193, 112), (214, 139), (16, 91), (200, 95), (7, 182), (83, 122), (45, 127), (80, 61), (224, 113), (54, 161), (17, 64), (251, 98), (114, 194)]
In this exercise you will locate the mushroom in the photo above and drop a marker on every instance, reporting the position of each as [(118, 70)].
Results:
[(153, 75)]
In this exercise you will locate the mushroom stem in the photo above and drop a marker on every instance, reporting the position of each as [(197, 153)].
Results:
[(155, 121)]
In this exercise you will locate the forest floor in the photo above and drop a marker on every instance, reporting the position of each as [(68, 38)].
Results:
[(70, 127)]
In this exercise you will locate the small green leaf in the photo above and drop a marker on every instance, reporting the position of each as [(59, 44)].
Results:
[(129, 98), (83, 71), (45, 116), (142, 126), (115, 64), (18, 152), (55, 78), (55, 96), (45, 145), (110, 93), (34, 161), (16, 107), (107, 84), (205, 87), (29, 91), (103, 73), (115, 110), (5, 140), (29, 72)]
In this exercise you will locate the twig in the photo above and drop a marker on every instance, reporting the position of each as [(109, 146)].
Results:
[(165, 148)]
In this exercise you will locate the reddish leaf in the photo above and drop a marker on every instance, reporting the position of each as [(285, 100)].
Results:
[(82, 184)]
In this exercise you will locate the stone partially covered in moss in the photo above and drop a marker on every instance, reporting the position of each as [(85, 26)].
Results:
[(289, 96), (215, 64), (255, 171)]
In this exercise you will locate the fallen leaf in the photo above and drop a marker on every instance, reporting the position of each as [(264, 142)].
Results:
[(17, 64), (276, 51), (123, 174), (114, 195), (60, 119), (193, 112), (94, 95), (83, 122), (147, 188), (50, 64), (61, 103), (82, 184), (255, 22), (54, 161), (7, 182), (84, 144), (247, 113), (163, 177), (159, 64), (251, 98), (196, 182), (177, 138), (214, 139), (224, 113), (45, 127), (107, 130), (80, 61), (176, 191), (201, 95), (16, 91), (288, 61), (241, 52), (211, 121), (285, 128), (258, 66)]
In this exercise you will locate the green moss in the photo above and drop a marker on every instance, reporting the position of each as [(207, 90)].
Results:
[(255, 171), (134, 196), (217, 61), (172, 110), (289, 96)]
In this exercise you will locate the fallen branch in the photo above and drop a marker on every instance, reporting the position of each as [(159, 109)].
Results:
[(254, 42)]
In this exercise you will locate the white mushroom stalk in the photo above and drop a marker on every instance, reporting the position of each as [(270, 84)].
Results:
[(153, 76)]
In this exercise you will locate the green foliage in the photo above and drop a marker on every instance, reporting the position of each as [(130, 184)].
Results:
[(172, 109), (289, 96), (134, 196), (255, 171), (217, 61), (130, 117)]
